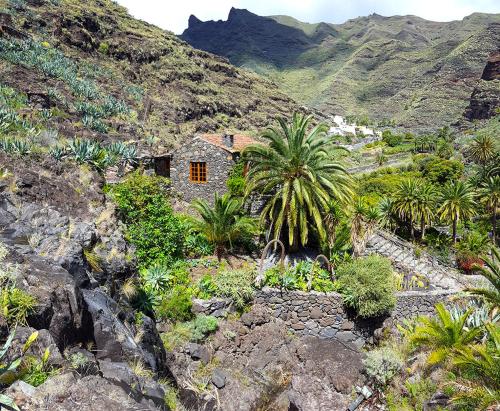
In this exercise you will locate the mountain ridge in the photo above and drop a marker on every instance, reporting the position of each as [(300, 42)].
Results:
[(425, 71)]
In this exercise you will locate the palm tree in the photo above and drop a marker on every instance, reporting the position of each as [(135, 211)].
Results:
[(482, 150), (364, 220), (297, 168), (425, 206), (331, 219), (406, 200), (490, 271), (490, 195), (457, 201), (386, 213), (222, 223), (443, 334)]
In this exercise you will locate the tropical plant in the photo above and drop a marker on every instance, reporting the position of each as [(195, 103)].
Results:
[(425, 206), (222, 224), (406, 202), (443, 334), (481, 362), (297, 168), (332, 217), (386, 212), (490, 271), (482, 149), (490, 195), (457, 202), (470, 248)]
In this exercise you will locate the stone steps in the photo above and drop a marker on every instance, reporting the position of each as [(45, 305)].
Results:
[(402, 254)]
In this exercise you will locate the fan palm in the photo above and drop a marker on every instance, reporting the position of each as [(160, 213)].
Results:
[(482, 149), (425, 206), (457, 201), (386, 212), (490, 271), (222, 223), (443, 334), (406, 201), (490, 196), (297, 168)]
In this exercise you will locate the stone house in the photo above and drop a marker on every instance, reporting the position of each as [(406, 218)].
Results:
[(201, 166)]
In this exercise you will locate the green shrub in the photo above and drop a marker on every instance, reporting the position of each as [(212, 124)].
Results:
[(16, 304), (176, 304), (367, 285), (203, 325), (392, 140), (235, 284), (382, 364), (152, 227), (300, 277), (236, 181), (440, 171)]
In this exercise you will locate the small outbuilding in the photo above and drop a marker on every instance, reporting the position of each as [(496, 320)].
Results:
[(201, 166)]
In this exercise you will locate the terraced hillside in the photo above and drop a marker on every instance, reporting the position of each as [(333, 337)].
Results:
[(74, 68), (417, 72)]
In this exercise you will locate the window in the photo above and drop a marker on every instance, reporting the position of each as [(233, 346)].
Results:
[(198, 172)]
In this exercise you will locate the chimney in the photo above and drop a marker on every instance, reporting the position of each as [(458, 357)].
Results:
[(228, 140)]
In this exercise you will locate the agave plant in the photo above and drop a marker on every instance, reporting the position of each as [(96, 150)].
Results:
[(58, 153), (156, 278)]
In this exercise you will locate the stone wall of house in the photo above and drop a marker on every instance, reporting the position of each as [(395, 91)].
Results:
[(219, 165), (324, 314)]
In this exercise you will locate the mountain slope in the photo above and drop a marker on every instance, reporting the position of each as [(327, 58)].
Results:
[(417, 72), (90, 69)]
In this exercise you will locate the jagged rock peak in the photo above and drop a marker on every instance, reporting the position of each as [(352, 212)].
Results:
[(235, 13), (193, 21)]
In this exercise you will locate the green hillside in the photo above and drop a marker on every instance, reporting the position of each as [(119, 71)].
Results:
[(417, 72)]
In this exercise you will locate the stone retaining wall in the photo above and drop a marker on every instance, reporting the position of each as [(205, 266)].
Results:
[(324, 314)]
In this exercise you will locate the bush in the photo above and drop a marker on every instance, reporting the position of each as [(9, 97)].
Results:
[(236, 285), (236, 181), (440, 171), (195, 330), (299, 277), (152, 227), (367, 285), (176, 304), (203, 325), (382, 364), (392, 140)]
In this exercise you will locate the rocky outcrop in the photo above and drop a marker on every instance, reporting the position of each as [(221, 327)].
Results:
[(70, 251), (485, 99), (255, 363)]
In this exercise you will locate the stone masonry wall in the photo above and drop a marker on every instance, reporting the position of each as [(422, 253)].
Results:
[(219, 164), (324, 314)]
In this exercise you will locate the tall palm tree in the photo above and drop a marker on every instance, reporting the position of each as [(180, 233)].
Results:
[(425, 207), (222, 223), (482, 149), (443, 334), (490, 196), (457, 202), (491, 271), (406, 200), (297, 168)]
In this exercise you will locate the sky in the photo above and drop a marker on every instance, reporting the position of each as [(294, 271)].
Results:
[(173, 15)]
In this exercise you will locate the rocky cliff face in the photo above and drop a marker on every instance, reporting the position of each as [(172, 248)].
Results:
[(417, 72), (485, 99)]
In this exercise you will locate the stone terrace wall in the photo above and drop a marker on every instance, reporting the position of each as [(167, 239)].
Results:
[(324, 315)]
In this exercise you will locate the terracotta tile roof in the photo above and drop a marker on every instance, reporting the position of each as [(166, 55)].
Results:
[(240, 141)]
